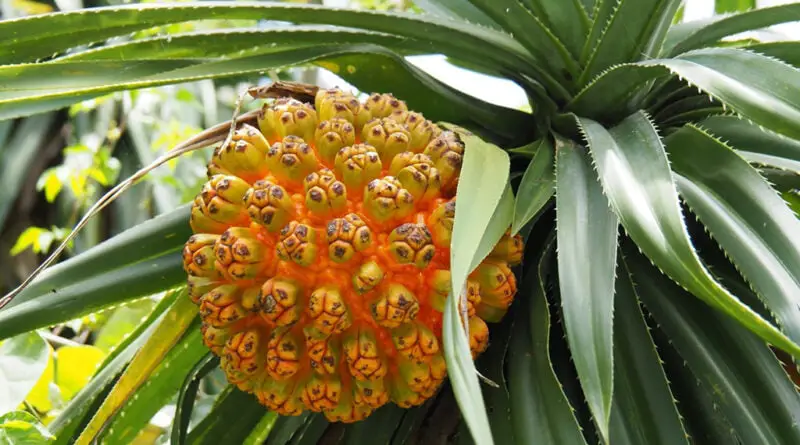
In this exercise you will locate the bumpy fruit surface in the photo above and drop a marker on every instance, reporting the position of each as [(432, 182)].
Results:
[(320, 261)]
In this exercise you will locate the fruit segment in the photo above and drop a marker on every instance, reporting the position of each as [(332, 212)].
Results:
[(320, 259)]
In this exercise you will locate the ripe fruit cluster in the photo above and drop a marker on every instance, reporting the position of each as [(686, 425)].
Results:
[(321, 254)]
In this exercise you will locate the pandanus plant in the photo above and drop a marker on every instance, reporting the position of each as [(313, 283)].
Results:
[(632, 241)]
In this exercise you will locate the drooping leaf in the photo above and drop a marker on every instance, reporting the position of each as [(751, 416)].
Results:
[(23, 359), (177, 320), (702, 33), (60, 31), (746, 381), (644, 410), (757, 145), (634, 31), (537, 186), (379, 427), (540, 411), (761, 89), (637, 179), (745, 216), (587, 253), (286, 427)]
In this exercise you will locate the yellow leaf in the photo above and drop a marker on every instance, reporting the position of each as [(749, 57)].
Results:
[(75, 365), (39, 396)]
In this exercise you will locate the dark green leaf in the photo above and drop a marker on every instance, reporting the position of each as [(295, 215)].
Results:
[(22, 361), (187, 395), (537, 186), (747, 382), (84, 297), (42, 35), (540, 411), (286, 427), (462, 9), (156, 236), (789, 52), (311, 431), (22, 428), (643, 411), (702, 33), (745, 215), (587, 254), (757, 145), (16, 156), (636, 177), (531, 31), (634, 31), (568, 19), (231, 420), (761, 89), (378, 428)]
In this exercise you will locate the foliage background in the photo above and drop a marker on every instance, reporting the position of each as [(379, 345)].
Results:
[(54, 166)]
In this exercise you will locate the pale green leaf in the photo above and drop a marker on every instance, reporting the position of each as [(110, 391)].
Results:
[(587, 253), (724, 6), (537, 186), (637, 179), (23, 359)]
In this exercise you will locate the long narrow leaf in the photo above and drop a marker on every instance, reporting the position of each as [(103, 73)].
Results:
[(462, 9), (633, 32), (235, 414), (636, 177), (762, 89), (540, 411), (537, 186), (718, 28), (644, 409), (484, 177), (587, 254), (747, 381), (147, 240), (40, 36), (568, 19), (164, 382), (90, 397), (186, 398), (177, 320), (757, 145), (746, 216), (84, 297)]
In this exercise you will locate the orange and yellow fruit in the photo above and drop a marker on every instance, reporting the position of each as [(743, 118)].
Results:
[(321, 255)]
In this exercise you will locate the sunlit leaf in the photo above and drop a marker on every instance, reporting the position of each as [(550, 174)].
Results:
[(23, 359)]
